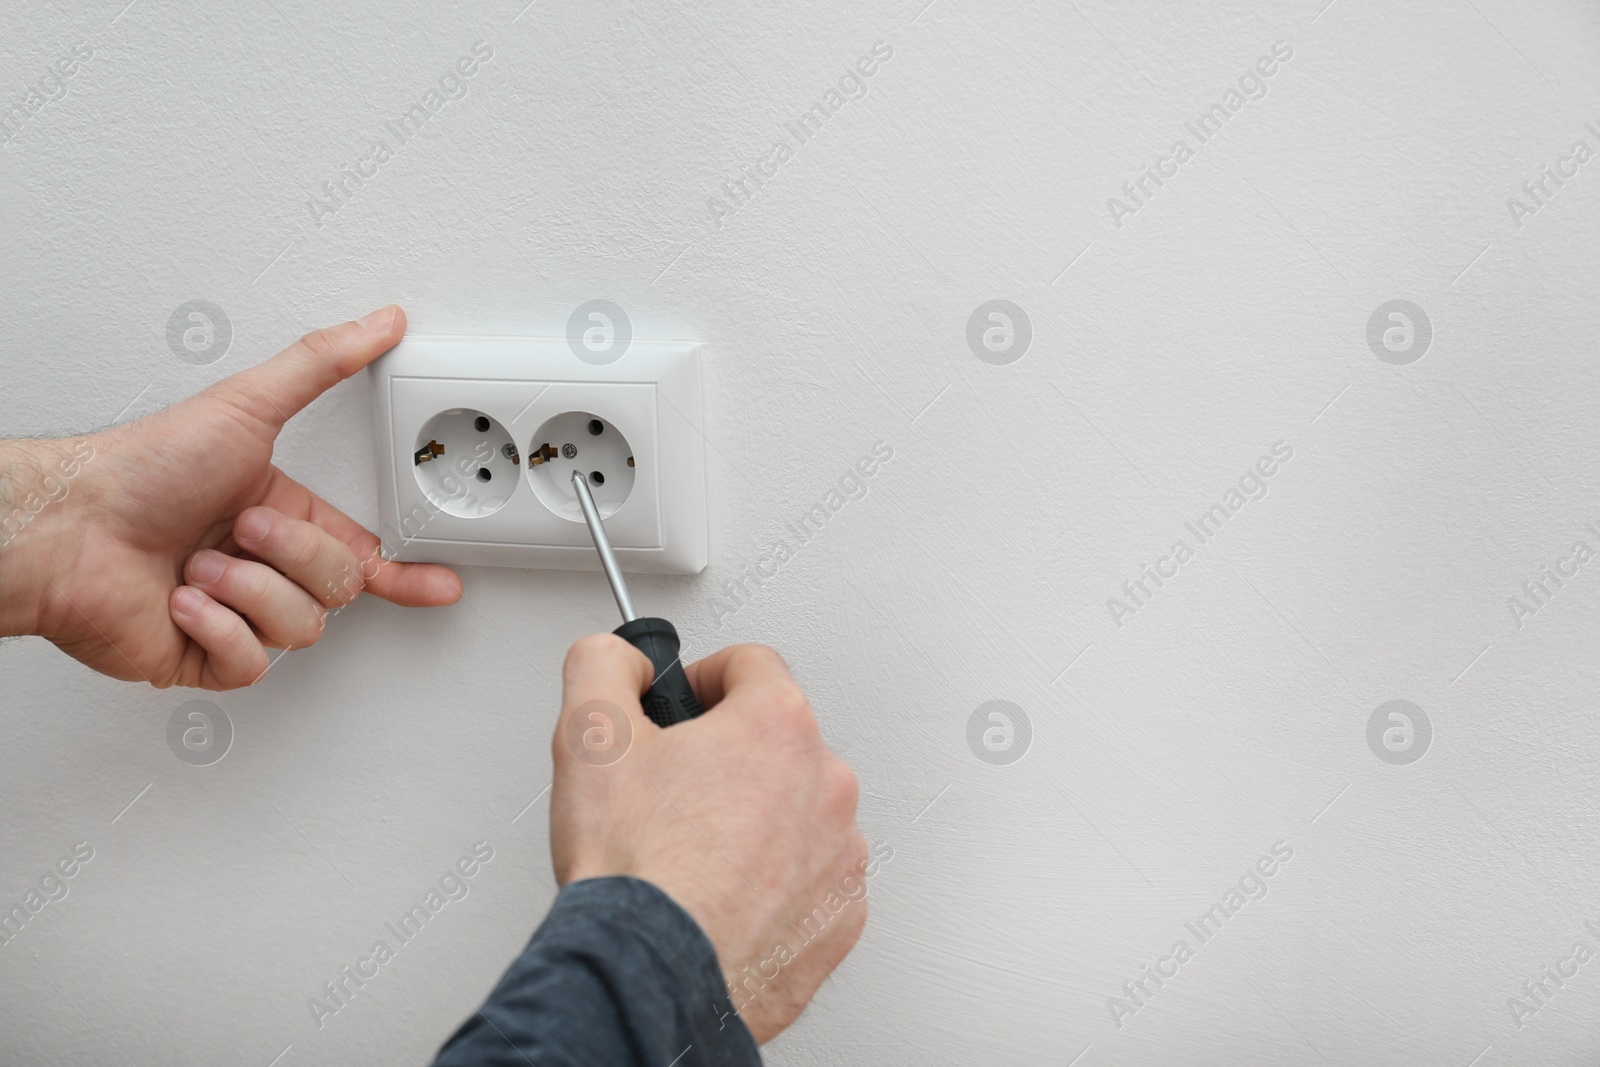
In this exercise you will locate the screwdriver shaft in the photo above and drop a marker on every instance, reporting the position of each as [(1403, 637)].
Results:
[(602, 545)]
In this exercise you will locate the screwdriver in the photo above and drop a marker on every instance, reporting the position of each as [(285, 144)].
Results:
[(670, 699)]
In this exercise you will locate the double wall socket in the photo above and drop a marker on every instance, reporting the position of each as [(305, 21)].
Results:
[(477, 439)]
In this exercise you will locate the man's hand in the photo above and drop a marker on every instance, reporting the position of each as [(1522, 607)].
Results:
[(174, 551), (743, 816)]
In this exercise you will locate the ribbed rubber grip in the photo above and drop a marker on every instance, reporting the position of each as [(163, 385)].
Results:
[(669, 699)]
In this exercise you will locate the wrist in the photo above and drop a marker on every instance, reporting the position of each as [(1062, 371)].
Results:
[(719, 921), (679, 887), (37, 525)]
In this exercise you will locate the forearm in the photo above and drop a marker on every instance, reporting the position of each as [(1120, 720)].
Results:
[(616, 975), (37, 479)]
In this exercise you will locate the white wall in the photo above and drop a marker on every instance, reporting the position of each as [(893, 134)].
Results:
[(1226, 314)]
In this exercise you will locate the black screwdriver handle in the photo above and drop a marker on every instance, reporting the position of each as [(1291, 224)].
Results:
[(669, 699)]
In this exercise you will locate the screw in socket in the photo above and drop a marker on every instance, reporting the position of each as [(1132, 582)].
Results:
[(569, 450)]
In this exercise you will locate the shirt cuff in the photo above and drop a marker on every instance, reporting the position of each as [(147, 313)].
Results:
[(617, 973)]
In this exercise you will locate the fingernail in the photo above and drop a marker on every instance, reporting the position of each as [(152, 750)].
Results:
[(380, 321), (188, 600), (206, 567), (252, 526)]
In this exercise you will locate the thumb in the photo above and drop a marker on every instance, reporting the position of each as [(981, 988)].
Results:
[(604, 675), (275, 390)]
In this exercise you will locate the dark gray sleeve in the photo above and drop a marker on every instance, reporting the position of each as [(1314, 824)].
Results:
[(617, 975)]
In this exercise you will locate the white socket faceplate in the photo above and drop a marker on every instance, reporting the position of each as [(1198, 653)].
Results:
[(651, 396)]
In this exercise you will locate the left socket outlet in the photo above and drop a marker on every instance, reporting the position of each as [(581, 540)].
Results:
[(466, 463)]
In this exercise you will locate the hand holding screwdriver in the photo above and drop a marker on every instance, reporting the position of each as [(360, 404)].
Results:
[(670, 698)]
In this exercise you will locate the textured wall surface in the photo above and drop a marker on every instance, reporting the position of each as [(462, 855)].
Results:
[(1425, 470)]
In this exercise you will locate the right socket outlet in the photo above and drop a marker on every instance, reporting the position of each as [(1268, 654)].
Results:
[(581, 441)]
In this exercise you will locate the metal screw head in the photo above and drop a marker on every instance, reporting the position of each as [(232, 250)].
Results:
[(569, 450)]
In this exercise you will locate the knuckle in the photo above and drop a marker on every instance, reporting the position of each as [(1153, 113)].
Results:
[(349, 586), (592, 648), (371, 557), (843, 790), (255, 581), (320, 343), (302, 549), (788, 705), (240, 644), (561, 753), (251, 668), (314, 628), (763, 657), (589, 648)]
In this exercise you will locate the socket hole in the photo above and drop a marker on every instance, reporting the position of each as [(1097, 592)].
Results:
[(481, 424), (483, 474), (602, 459)]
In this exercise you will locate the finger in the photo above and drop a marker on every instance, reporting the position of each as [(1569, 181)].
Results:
[(736, 667), (234, 657), (303, 552), (605, 667), (283, 613), (413, 585), (274, 390)]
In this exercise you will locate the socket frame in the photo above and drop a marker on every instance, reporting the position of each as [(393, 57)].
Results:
[(652, 394)]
